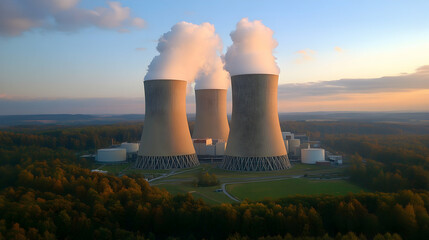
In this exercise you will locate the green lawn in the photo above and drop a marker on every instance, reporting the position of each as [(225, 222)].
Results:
[(114, 169), (180, 182), (289, 187), (208, 194), (297, 169), (146, 171)]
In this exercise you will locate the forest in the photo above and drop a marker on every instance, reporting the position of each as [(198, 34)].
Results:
[(47, 192), (386, 163)]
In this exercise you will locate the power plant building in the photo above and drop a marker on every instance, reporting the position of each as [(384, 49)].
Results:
[(294, 145), (166, 142), (209, 147), (286, 145), (255, 140), (211, 117)]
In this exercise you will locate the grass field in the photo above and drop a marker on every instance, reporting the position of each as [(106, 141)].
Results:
[(289, 187), (208, 194), (251, 185), (114, 169), (297, 169)]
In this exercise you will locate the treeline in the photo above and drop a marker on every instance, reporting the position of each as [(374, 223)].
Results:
[(72, 138), (92, 137), (385, 163), (318, 130)]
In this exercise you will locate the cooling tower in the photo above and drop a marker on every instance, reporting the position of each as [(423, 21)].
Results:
[(166, 141), (255, 140), (211, 120)]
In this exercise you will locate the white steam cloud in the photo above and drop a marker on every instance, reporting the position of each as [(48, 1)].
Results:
[(252, 49), (190, 52)]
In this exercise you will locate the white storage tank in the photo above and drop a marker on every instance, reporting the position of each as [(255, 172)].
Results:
[(130, 147), (312, 155), (110, 155), (294, 146)]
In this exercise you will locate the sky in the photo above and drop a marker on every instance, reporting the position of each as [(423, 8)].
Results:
[(90, 56)]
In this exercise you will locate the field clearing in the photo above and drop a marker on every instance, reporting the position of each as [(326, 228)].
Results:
[(114, 169), (127, 168), (290, 187), (146, 171), (208, 194), (297, 169), (250, 185)]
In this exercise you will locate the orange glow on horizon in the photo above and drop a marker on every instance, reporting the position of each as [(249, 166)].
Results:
[(391, 101)]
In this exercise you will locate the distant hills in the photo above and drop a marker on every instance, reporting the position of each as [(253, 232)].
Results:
[(86, 119)]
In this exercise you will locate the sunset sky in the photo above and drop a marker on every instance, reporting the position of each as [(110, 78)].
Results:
[(85, 56)]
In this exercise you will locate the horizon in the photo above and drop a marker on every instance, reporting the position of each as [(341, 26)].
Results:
[(229, 113)]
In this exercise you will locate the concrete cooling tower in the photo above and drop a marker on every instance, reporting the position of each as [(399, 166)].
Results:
[(211, 118), (166, 141), (255, 140)]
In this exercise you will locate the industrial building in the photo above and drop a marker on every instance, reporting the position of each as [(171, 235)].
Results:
[(166, 142), (294, 145), (288, 135), (301, 136), (335, 159), (209, 148), (211, 117), (300, 149), (255, 140)]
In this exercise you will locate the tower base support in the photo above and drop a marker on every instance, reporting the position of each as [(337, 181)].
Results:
[(166, 162), (256, 164)]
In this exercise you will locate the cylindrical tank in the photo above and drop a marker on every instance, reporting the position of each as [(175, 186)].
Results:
[(130, 147), (211, 119), (294, 146), (166, 141), (255, 140), (110, 155), (312, 155)]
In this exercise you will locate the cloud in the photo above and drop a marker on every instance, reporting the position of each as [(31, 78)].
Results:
[(3, 96), (18, 16), (305, 55), (252, 49), (338, 49), (408, 82)]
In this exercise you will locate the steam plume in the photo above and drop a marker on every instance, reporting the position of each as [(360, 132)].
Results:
[(190, 52), (252, 49)]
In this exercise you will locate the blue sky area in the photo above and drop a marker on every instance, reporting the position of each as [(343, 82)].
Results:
[(318, 41)]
